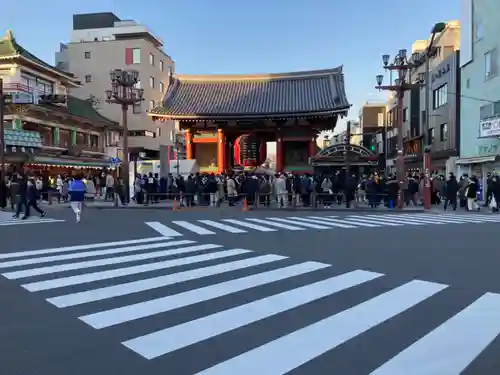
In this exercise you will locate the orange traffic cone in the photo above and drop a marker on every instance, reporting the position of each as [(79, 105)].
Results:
[(245, 205)]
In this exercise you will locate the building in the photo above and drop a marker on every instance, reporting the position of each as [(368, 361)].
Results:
[(480, 89), (46, 127), (100, 42), (443, 130), (230, 130), (385, 138), (415, 127), (371, 118), (342, 136)]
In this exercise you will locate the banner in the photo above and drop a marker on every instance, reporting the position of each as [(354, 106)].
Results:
[(489, 128)]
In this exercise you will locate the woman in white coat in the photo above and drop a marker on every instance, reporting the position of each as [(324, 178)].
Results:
[(232, 191)]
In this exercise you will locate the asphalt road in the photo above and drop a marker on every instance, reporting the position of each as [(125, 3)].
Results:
[(421, 294)]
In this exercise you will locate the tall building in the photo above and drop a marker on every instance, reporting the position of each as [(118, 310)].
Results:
[(441, 132), (480, 88), (371, 118), (100, 42)]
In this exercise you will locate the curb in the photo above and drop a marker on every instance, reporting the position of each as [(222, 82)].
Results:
[(373, 210)]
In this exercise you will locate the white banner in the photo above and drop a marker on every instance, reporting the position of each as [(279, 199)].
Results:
[(489, 128)]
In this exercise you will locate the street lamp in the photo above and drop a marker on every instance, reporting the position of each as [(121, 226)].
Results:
[(124, 92), (429, 53), (402, 65)]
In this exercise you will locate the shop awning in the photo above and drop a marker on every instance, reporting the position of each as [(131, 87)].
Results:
[(70, 162), (477, 160)]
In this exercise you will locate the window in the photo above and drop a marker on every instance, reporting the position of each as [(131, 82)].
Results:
[(137, 108), (88, 78), (486, 111), (467, 83), (151, 104), (152, 82), (440, 96), (424, 117), (496, 108), (169, 70), (478, 29), (491, 64), (35, 83), (151, 59), (405, 114), (430, 136), (138, 84), (158, 132), (161, 65), (162, 86), (136, 55), (87, 55), (443, 132)]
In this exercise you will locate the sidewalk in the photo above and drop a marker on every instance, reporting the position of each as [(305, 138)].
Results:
[(109, 205), (5, 216)]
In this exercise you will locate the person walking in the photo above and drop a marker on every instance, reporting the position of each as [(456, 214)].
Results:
[(77, 191)]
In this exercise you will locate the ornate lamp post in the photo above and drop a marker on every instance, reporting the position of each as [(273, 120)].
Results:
[(124, 92), (401, 65)]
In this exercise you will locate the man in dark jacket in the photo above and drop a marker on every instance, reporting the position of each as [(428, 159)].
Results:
[(22, 203), (451, 191)]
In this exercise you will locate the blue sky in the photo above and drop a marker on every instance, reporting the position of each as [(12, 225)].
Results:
[(229, 36)]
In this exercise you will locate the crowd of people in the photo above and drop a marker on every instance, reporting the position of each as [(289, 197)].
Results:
[(23, 191), (312, 190)]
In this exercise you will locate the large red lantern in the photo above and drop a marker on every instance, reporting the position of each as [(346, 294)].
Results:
[(249, 151)]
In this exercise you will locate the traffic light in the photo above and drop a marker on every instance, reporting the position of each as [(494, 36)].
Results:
[(372, 147)]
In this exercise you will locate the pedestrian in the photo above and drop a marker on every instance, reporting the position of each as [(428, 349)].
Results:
[(77, 191), (32, 198)]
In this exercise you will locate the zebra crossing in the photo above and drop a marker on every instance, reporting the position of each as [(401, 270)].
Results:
[(6, 219), (177, 228), (99, 277)]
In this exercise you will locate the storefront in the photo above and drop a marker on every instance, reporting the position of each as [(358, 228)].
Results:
[(21, 147)]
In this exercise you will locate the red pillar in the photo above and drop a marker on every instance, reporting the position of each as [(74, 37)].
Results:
[(221, 151), (189, 144), (312, 147), (279, 154)]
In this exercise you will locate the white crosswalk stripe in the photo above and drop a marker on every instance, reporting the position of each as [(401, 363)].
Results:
[(224, 227), (31, 220), (279, 285), (308, 222), (244, 224)]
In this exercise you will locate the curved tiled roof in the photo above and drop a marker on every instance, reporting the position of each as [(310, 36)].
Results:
[(298, 94)]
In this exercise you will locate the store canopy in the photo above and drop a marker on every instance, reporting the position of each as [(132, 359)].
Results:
[(477, 160), (70, 162)]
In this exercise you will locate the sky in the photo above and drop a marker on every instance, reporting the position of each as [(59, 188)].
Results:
[(259, 36)]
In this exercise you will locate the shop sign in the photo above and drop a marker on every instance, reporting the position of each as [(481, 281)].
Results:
[(114, 162), (19, 98), (489, 128), (19, 149), (485, 150), (440, 72), (413, 148)]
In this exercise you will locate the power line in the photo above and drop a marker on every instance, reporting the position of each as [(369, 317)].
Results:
[(474, 98)]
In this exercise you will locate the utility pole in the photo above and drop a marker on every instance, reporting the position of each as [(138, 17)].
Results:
[(347, 161)]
